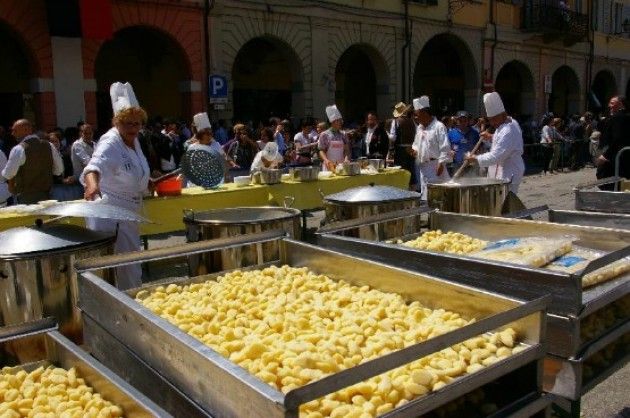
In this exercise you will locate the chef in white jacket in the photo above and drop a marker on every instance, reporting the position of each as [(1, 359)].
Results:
[(505, 158), (431, 147), (118, 172)]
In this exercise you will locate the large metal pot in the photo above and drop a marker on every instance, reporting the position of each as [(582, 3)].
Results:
[(37, 275), (479, 196), (361, 202), (231, 222)]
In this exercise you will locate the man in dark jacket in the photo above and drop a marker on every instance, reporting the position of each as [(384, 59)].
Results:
[(375, 142), (615, 136)]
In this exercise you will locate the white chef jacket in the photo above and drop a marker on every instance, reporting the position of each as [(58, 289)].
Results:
[(123, 178), (505, 159), (4, 187), (368, 139), (258, 164), (80, 153), (431, 143), (17, 158)]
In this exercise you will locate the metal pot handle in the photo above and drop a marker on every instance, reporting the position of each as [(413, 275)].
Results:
[(180, 250), (288, 201), (27, 329), (190, 213)]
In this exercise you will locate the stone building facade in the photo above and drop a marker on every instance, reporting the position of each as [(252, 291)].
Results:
[(294, 57)]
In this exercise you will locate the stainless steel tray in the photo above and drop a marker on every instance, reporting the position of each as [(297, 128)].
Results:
[(109, 351), (566, 377), (569, 299), (601, 219), (63, 353), (600, 200), (224, 389)]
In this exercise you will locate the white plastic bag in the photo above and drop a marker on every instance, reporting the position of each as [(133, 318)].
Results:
[(528, 251), (577, 260)]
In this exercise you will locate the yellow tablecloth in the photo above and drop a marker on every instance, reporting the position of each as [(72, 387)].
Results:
[(307, 195), (167, 212)]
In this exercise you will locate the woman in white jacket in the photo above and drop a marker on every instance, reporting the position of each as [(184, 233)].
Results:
[(119, 173)]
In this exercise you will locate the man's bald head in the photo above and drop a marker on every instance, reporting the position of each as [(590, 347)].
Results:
[(22, 128)]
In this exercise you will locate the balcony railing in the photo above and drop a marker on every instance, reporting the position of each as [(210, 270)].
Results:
[(555, 22)]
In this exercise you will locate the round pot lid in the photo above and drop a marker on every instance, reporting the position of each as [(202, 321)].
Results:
[(30, 240), (367, 194), (203, 168), (239, 216), (468, 182), (92, 209)]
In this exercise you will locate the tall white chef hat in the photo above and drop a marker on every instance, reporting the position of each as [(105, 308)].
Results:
[(270, 152), (333, 113), (122, 96), (421, 103), (201, 121), (493, 103)]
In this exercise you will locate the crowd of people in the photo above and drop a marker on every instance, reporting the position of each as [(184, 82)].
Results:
[(119, 167), (412, 133)]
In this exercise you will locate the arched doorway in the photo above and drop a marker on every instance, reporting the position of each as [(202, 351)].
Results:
[(515, 84), (152, 62), (446, 72), (16, 100), (604, 87), (628, 90), (267, 78), (361, 80), (565, 92)]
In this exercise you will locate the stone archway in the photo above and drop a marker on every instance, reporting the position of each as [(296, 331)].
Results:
[(604, 87), (361, 80), (268, 81), (515, 84), (445, 71), (152, 62), (564, 99)]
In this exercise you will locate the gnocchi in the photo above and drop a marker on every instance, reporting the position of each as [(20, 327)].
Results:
[(290, 327)]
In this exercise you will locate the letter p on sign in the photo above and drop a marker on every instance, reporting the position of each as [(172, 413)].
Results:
[(218, 89)]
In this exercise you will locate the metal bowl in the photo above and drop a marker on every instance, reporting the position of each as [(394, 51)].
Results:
[(349, 169), (270, 176), (377, 164), (304, 173)]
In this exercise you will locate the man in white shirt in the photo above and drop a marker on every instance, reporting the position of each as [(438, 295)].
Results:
[(505, 159), (431, 147), (82, 150), (31, 165)]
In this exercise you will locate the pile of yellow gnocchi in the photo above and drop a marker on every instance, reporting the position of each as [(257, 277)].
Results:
[(449, 242), (51, 392), (291, 326)]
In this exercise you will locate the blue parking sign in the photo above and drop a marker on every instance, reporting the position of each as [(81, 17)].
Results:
[(218, 87)]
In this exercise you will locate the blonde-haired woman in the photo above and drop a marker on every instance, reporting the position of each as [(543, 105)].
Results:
[(119, 173)]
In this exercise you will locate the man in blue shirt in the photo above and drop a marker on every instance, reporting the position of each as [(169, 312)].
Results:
[(462, 138)]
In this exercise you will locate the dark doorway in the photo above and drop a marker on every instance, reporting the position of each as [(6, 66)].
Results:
[(152, 62), (604, 88), (355, 82), (266, 80), (515, 84), (564, 99), (444, 71), (14, 79)]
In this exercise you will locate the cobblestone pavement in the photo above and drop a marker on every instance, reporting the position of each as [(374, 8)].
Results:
[(609, 399)]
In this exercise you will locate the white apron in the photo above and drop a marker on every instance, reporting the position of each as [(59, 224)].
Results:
[(133, 171), (335, 152), (427, 172)]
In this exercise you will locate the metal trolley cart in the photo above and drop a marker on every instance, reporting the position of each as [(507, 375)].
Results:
[(140, 345), (571, 339)]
